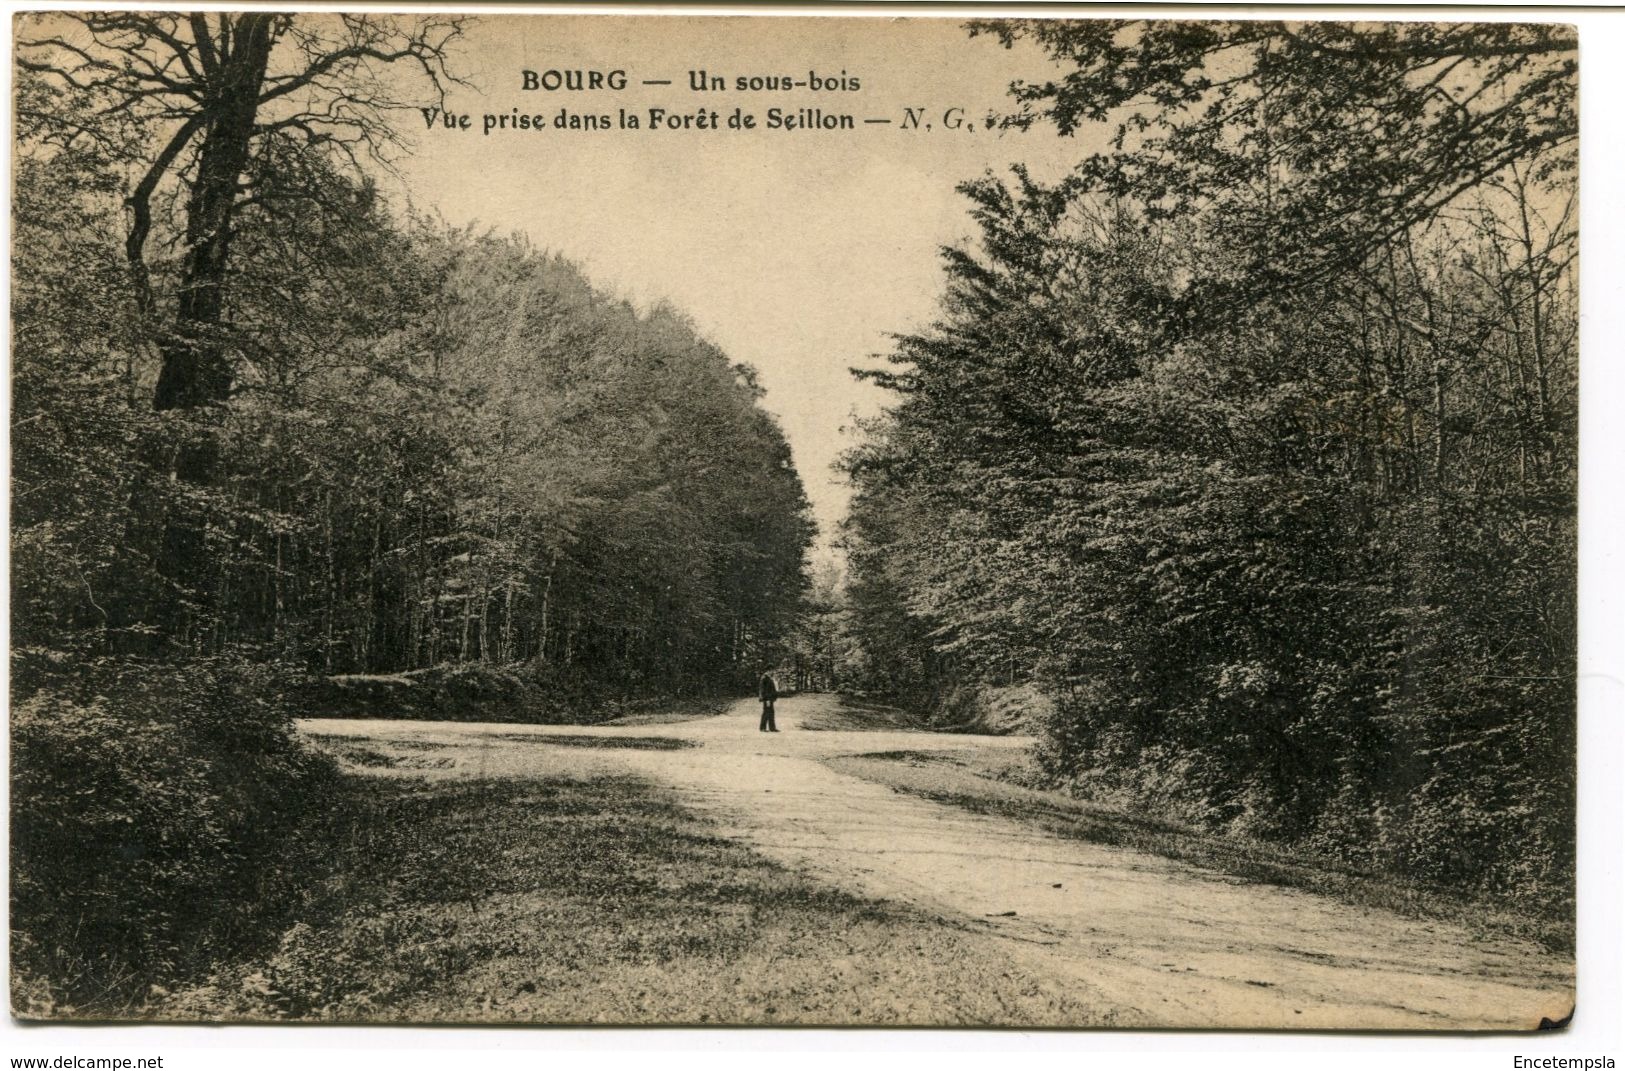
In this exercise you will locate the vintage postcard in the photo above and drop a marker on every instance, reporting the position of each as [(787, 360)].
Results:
[(750, 520)]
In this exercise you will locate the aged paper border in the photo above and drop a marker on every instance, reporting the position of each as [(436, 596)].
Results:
[(1597, 1028)]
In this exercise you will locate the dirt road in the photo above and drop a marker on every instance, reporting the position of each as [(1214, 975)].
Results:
[(1162, 942)]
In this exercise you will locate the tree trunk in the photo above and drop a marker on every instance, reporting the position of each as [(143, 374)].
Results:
[(196, 371), (332, 586)]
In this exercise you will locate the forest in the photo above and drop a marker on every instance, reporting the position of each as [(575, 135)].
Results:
[(1251, 446), (272, 434), (1246, 452)]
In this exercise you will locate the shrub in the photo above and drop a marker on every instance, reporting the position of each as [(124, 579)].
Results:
[(151, 808)]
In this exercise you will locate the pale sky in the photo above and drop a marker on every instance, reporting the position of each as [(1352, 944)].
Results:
[(796, 252)]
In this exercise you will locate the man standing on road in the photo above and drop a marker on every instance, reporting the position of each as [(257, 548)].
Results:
[(768, 692)]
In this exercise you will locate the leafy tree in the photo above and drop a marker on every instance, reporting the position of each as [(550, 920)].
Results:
[(210, 93), (1257, 551), (79, 423), (1311, 144), (441, 453), (214, 103)]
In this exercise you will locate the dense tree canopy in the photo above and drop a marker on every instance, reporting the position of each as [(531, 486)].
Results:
[(441, 446), (426, 449), (1312, 144), (1292, 560), (215, 100), (206, 111)]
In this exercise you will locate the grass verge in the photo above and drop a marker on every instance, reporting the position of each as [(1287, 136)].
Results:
[(987, 783), (860, 715), (671, 711), (596, 900)]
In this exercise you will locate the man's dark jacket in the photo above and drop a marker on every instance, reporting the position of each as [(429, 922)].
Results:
[(767, 689)]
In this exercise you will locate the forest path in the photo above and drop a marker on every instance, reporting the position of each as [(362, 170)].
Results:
[(1162, 942)]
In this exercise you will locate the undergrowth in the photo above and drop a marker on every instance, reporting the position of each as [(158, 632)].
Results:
[(153, 815)]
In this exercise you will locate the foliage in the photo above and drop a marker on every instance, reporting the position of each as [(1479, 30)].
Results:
[(1312, 144), (209, 108), (1298, 561), (443, 447), (819, 655), (440, 451), (152, 806)]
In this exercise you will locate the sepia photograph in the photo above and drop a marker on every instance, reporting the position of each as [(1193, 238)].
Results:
[(803, 520)]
